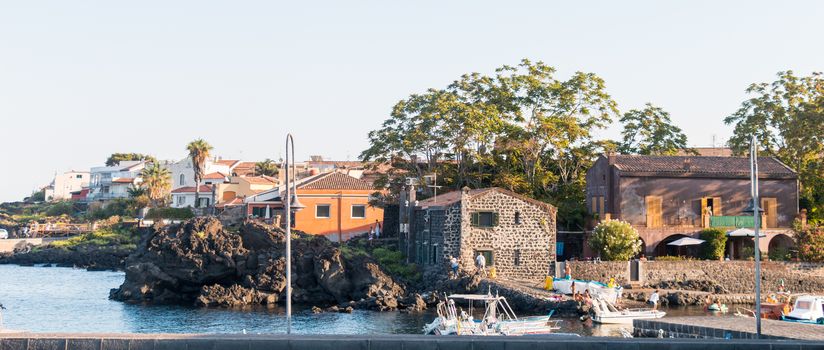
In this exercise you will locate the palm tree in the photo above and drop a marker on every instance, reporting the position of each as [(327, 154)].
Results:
[(157, 183), (199, 152), (266, 167)]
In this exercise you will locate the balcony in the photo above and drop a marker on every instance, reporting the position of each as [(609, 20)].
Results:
[(732, 221)]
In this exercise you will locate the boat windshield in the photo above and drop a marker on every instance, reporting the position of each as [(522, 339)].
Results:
[(803, 304)]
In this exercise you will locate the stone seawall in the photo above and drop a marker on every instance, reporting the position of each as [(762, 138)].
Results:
[(732, 276), (370, 342)]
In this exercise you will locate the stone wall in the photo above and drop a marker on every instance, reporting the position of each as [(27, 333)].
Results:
[(733, 276), (521, 250)]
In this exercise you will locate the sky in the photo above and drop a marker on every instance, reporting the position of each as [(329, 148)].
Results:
[(82, 79)]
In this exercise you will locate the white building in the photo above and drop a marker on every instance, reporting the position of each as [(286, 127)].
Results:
[(111, 182), (183, 173), (64, 184)]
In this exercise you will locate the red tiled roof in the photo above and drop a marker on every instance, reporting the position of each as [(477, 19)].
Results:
[(335, 181), (123, 180), (260, 180), (453, 197), (227, 162), (231, 202), (215, 175), (700, 166), (244, 168), (191, 189)]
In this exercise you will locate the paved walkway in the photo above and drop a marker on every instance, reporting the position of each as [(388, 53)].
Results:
[(770, 328)]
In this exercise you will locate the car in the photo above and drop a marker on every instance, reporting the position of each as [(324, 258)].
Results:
[(4, 234)]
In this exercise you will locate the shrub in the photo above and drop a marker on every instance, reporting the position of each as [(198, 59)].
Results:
[(60, 208), (810, 243), (615, 240), (748, 252), (669, 258), (780, 254), (118, 207), (101, 237), (394, 262), (170, 213), (715, 240)]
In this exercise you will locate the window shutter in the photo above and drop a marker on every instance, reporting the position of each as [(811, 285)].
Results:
[(475, 219), (716, 206), (495, 219)]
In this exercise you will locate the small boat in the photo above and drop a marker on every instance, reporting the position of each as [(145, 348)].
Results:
[(498, 318), (717, 308), (605, 312), (807, 309), (596, 289)]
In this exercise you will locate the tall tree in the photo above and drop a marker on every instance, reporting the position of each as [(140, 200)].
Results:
[(157, 183), (650, 131), (199, 151), (116, 158), (787, 118), (267, 167)]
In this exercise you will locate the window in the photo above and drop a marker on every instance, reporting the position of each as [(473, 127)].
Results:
[(484, 219), (78, 176), (181, 200), (517, 218), (358, 211), (654, 215), (517, 255), (182, 179), (322, 211)]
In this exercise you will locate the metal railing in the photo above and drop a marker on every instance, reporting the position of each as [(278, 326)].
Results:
[(732, 221)]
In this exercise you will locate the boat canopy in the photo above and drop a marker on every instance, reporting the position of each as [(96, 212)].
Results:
[(483, 297)]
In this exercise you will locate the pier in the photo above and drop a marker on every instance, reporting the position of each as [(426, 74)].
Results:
[(370, 342), (726, 328)]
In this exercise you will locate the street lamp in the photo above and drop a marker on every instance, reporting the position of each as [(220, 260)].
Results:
[(755, 211), (292, 205)]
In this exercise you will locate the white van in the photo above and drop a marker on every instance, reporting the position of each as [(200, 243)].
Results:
[(4, 234)]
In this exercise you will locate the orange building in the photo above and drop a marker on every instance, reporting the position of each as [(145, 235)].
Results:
[(337, 206)]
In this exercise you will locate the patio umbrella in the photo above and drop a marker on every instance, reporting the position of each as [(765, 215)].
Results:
[(686, 241), (744, 232)]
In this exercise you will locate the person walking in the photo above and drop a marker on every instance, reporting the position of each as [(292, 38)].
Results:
[(453, 263), (480, 261), (377, 229), (653, 299)]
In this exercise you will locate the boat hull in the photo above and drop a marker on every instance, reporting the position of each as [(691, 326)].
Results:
[(627, 318)]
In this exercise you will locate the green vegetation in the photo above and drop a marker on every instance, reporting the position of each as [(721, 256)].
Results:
[(788, 120), (112, 236), (60, 208), (199, 151), (715, 240), (116, 207), (156, 183), (810, 242), (267, 167), (170, 213), (748, 252), (651, 131), (38, 196), (394, 262), (669, 258), (615, 240), (780, 254), (116, 158)]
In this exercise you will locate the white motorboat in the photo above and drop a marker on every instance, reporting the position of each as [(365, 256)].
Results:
[(596, 289), (605, 312), (498, 318), (807, 309)]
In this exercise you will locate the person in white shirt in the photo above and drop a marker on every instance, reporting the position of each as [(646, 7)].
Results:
[(377, 229), (653, 299), (481, 262), (453, 263)]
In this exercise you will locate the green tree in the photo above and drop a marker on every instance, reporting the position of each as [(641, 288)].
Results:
[(116, 158), (199, 151), (650, 131), (787, 118), (267, 167), (810, 242), (715, 240), (157, 183), (615, 240)]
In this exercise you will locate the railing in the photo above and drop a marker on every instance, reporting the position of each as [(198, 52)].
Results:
[(732, 221)]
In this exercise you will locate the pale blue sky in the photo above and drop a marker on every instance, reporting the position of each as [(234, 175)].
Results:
[(82, 79)]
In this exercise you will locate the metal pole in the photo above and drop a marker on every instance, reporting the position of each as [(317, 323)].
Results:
[(756, 220), (288, 213)]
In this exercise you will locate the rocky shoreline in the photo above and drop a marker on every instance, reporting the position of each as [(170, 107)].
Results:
[(90, 258)]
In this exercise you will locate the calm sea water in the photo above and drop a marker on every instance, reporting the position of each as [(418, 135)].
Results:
[(53, 299)]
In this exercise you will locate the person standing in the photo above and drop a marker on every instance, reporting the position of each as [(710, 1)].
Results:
[(653, 299), (371, 234), (480, 261), (453, 263), (377, 229)]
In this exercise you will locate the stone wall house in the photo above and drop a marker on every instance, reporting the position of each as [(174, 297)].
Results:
[(669, 197), (516, 234)]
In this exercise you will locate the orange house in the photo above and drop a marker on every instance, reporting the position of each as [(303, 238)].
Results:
[(337, 206)]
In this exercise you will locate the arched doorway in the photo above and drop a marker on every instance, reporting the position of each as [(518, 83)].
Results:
[(663, 248), (780, 247), (643, 250)]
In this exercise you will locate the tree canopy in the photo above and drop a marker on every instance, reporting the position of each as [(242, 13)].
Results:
[(650, 131), (266, 167), (199, 151), (787, 117), (116, 158)]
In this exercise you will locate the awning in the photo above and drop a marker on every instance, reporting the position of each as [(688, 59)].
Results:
[(686, 241), (744, 232)]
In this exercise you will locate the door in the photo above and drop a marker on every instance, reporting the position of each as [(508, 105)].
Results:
[(654, 211), (770, 206)]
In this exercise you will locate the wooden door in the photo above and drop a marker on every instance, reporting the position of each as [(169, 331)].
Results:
[(770, 206), (654, 211)]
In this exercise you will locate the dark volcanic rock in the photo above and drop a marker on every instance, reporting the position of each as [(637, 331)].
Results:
[(92, 258), (199, 262)]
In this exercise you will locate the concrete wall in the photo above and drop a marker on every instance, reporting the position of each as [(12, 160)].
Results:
[(374, 342), (735, 276)]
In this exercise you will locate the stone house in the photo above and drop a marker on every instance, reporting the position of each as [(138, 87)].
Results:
[(670, 197), (516, 234)]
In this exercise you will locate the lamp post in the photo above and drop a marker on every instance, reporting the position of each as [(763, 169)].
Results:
[(292, 206), (754, 209)]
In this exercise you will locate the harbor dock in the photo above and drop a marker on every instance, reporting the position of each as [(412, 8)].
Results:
[(703, 327)]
